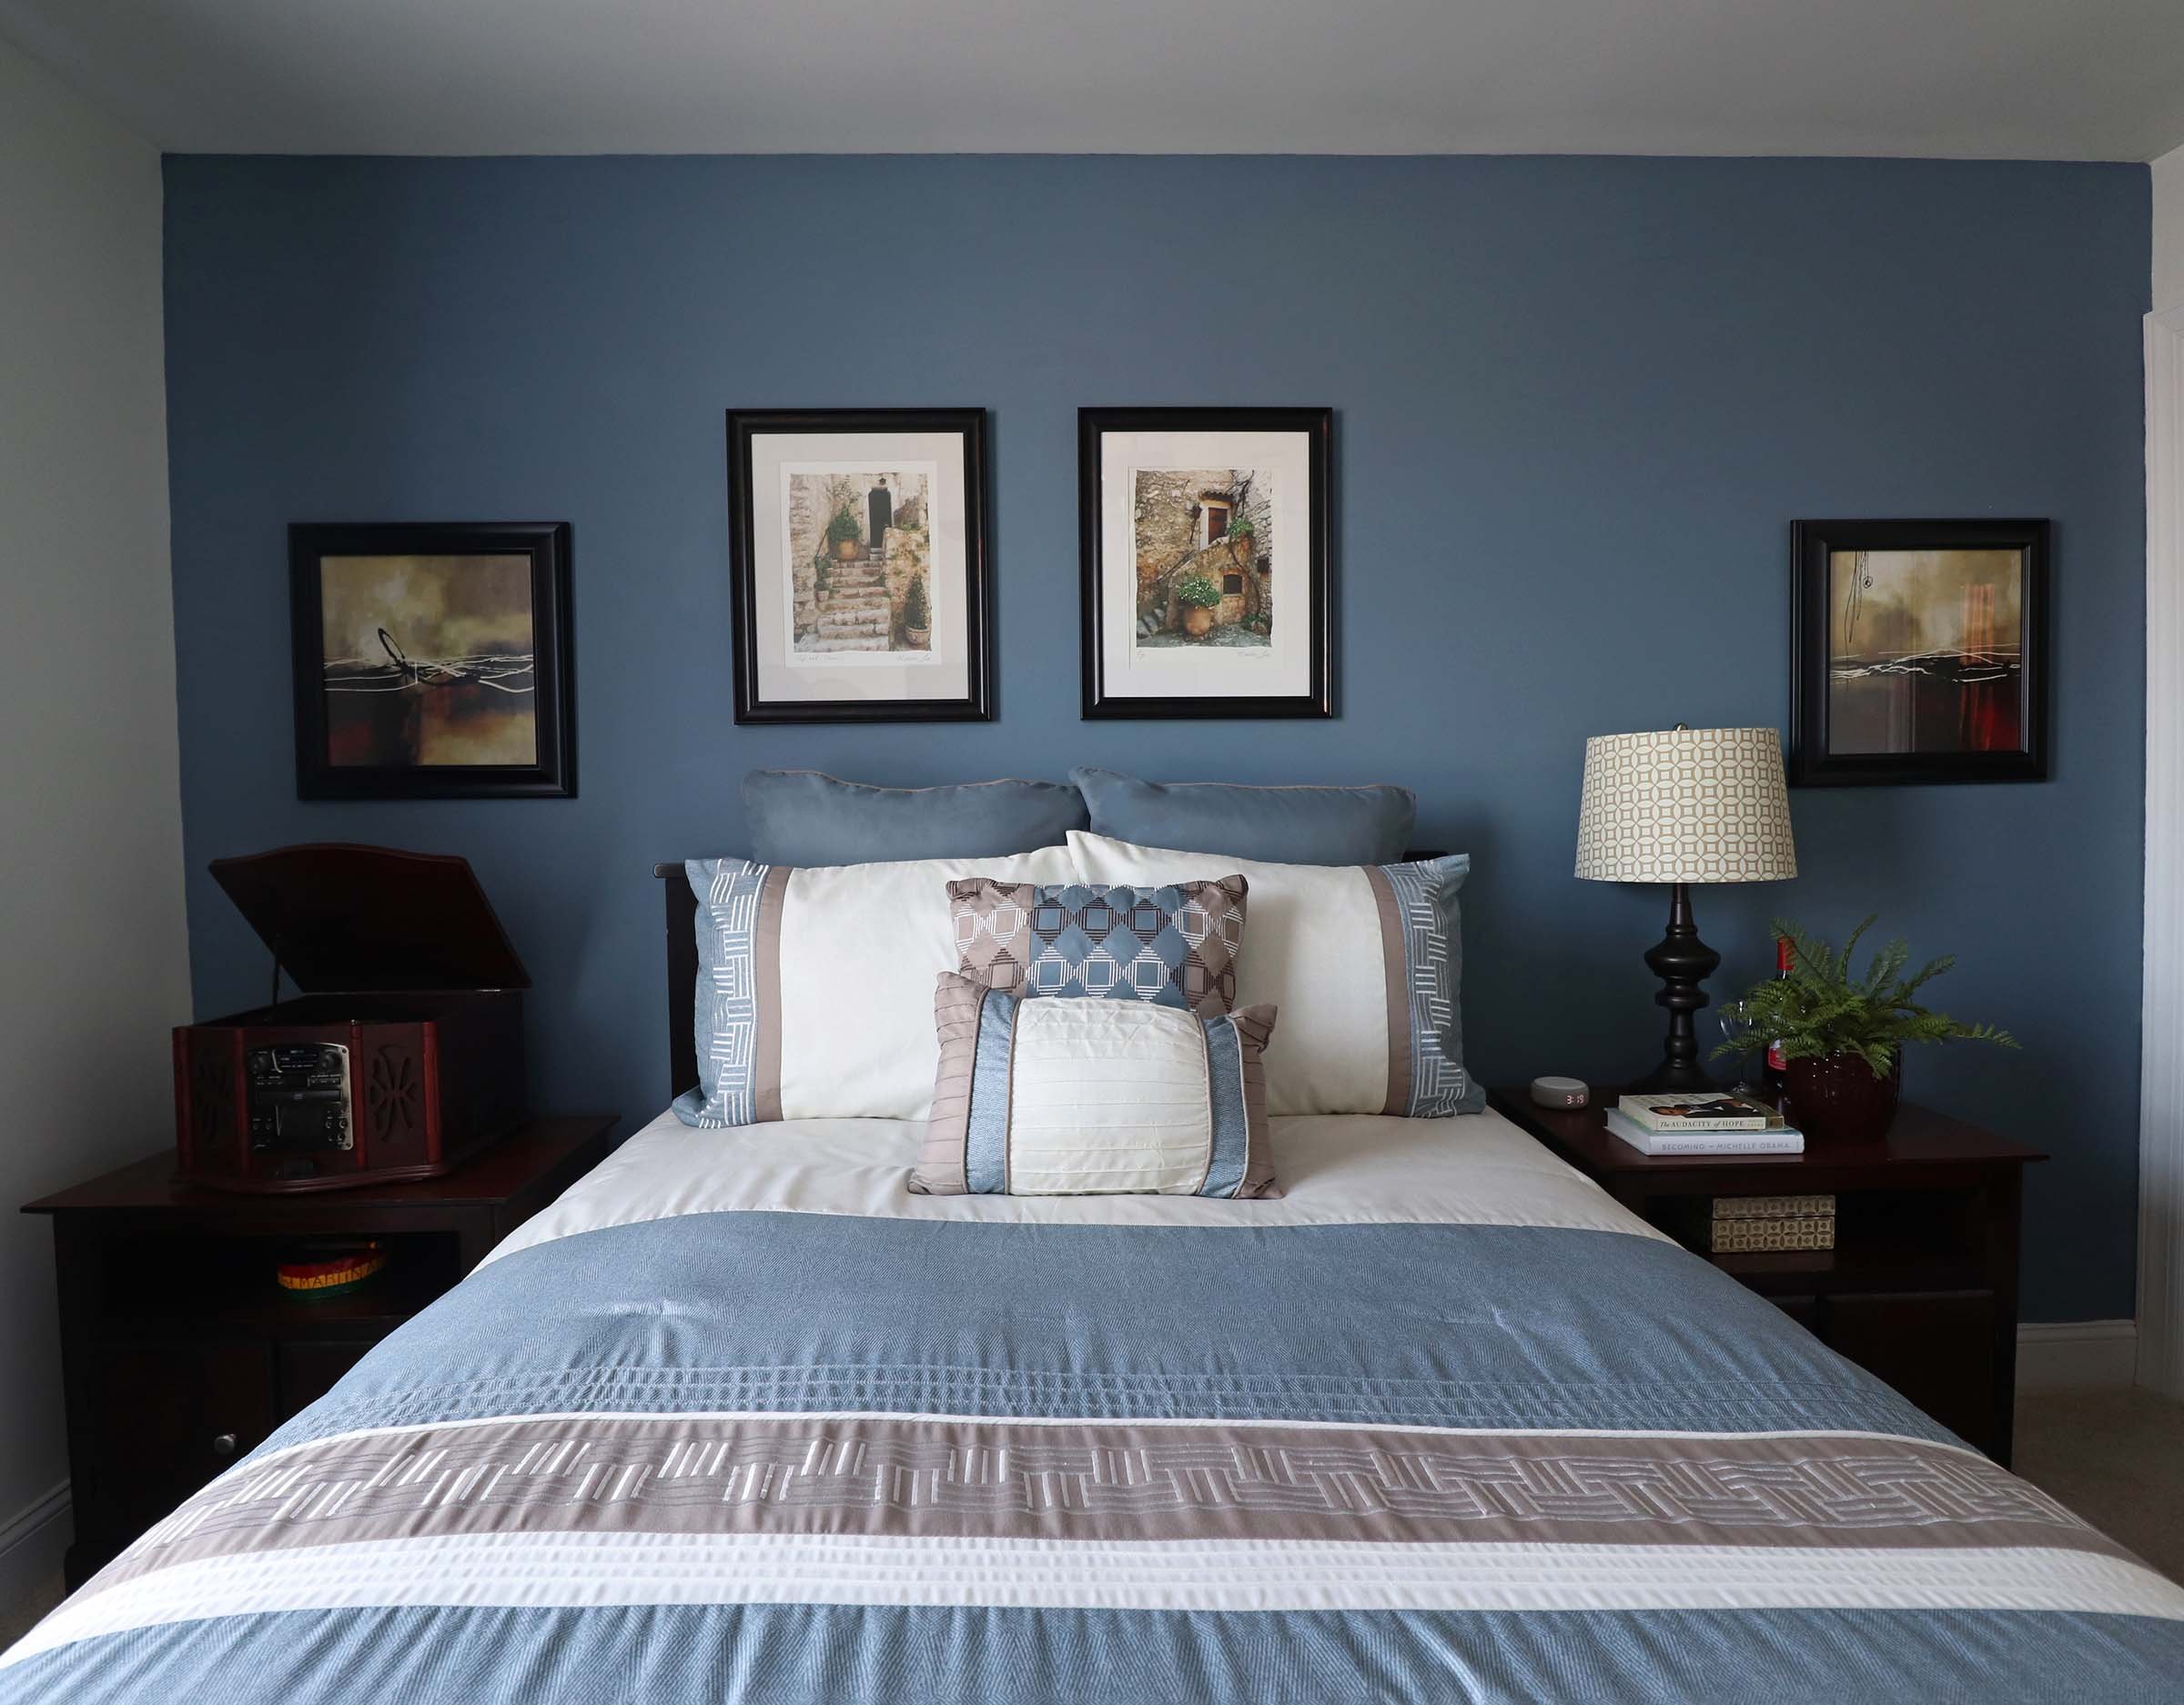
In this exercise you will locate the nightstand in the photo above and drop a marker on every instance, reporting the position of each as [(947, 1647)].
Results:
[(1921, 1287), (179, 1351)]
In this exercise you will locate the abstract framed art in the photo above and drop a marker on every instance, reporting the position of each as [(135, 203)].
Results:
[(1203, 539), (1919, 652), (857, 565), (432, 660)]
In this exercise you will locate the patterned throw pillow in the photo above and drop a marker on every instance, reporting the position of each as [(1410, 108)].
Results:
[(1094, 1097), (1173, 946)]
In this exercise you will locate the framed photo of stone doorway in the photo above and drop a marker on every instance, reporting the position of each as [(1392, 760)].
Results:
[(858, 565), (1204, 556)]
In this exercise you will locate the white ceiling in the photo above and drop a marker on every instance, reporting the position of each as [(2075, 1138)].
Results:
[(2051, 79)]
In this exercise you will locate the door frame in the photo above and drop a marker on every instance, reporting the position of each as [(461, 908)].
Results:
[(2160, 1363)]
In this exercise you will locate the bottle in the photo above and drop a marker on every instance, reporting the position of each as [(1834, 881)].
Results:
[(1785, 957)]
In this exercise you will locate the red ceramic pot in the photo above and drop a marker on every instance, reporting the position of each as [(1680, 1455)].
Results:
[(1836, 1098)]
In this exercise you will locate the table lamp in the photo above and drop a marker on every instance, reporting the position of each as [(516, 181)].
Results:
[(1687, 805)]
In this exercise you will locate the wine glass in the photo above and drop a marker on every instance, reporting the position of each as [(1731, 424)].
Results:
[(1736, 1020)]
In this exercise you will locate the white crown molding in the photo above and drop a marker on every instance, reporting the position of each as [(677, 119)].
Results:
[(2160, 1346)]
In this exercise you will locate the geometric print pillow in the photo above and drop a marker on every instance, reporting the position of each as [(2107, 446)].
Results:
[(1174, 945)]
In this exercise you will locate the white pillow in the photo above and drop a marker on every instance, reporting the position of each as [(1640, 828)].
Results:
[(1364, 961), (815, 986)]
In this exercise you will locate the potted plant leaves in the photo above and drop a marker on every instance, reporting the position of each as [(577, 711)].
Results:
[(917, 614), (1842, 1037), (1201, 597), (842, 534)]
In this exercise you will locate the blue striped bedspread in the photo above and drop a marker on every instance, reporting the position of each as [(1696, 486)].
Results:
[(788, 1456)]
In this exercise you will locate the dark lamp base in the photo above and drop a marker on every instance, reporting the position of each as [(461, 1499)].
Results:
[(1683, 963)]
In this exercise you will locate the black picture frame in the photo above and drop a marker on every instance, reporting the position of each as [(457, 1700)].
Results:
[(547, 547), (1811, 761), (1318, 424), (976, 704)]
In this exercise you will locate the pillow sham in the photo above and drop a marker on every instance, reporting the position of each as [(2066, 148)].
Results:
[(814, 984), (1174, 945), (1365, 963), (803, 817), (1044, 1097), (1289, 826)]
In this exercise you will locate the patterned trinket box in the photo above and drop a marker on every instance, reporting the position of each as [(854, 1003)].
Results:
[(1751, 1224)]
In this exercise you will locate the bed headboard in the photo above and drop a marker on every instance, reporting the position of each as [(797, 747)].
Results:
[(682, 973), (682, 978)]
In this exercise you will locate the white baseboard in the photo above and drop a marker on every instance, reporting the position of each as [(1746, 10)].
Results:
[(2076, 1353), (30, 1544)]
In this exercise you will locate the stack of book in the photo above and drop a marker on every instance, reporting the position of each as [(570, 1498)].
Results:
[(1703, 1122), (1745, 1225)]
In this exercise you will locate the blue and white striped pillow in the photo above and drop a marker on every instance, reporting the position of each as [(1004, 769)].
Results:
[(1083, 1097)]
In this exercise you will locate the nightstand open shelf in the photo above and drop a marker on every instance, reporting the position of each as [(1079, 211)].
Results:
[(1886, 1240), (1921, 1287), (179, 1353), (181, 1287)]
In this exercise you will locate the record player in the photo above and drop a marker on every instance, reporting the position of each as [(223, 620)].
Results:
[(402, 1055)]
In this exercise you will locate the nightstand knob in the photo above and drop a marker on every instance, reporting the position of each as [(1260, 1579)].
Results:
[(223, 1444)]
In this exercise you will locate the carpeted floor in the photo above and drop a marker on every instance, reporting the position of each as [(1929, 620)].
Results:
[(2117, 1457), (16, 1620)]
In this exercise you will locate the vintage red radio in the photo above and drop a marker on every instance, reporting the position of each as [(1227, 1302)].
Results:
[(401, 1056)]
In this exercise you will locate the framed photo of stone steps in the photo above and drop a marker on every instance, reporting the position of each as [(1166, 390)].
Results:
[(1204, 542), (857, 565)]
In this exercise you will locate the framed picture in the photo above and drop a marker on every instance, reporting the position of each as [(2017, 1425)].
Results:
[(1204, 558), (857, 561), (433, 661), (1918, 652)]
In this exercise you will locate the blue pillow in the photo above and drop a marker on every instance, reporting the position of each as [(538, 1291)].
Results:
[(804, 818), (1281, 825)]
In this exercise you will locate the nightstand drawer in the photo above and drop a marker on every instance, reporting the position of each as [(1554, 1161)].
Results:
[(1920, 1288), (181, 1352), (308, 1371), (167, 1418), (1936, 1347)]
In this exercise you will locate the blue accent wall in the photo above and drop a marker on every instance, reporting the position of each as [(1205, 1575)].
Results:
[(1578, 403)]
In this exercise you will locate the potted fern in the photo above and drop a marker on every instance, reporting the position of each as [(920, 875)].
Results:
[(1842, 1037)]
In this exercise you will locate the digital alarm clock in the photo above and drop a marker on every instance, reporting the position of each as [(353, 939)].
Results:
[(1560, 1092)]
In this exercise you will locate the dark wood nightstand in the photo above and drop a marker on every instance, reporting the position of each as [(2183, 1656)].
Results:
[(179, 1351), (1921, 1287)]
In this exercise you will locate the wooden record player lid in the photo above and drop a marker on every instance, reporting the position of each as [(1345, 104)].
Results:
[(341, 917)]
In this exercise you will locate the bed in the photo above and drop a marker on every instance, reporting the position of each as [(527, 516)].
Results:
[(743, 1418), (740, 1418)]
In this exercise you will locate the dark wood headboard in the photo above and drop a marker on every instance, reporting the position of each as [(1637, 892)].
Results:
[(682, 978), (682, 973)]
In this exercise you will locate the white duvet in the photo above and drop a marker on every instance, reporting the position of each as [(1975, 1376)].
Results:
[(1477, 1169)]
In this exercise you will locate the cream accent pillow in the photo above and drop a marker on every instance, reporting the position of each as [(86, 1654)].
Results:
[(1085, 1096), (1363, 961)]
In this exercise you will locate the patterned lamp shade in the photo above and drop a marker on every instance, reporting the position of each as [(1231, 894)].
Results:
[(1686, 805)]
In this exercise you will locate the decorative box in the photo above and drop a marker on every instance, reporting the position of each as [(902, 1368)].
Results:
[(1751, 1223)]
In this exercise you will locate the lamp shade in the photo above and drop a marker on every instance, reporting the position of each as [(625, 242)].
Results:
[(1686, 805)]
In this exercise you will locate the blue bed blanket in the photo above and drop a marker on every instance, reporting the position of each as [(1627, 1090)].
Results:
[(791, 1457)]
